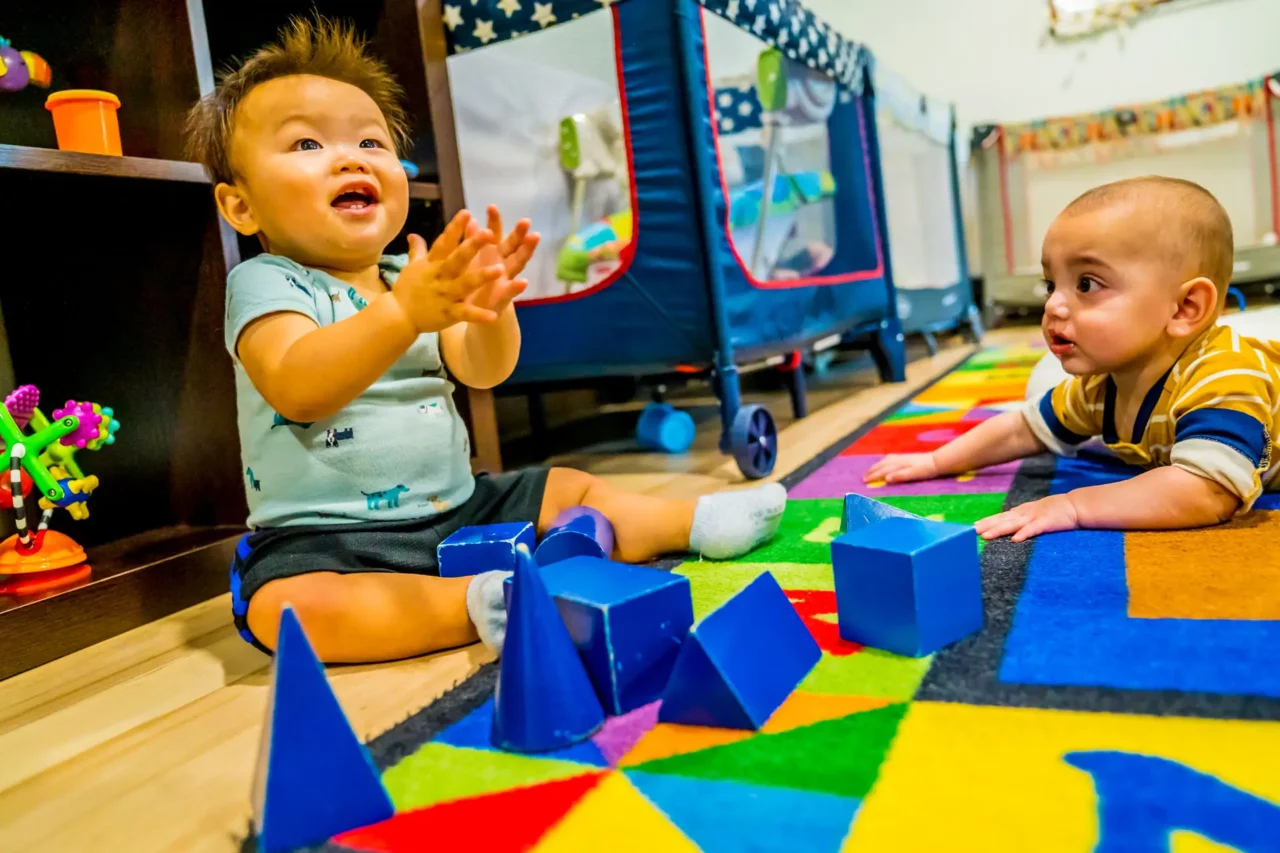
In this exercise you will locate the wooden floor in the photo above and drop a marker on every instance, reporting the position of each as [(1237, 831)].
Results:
[(146, 742)]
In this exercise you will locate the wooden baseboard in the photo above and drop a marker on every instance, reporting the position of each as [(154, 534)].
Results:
[(135, 581)]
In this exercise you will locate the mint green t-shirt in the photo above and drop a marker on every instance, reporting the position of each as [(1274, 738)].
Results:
[(398, 451)]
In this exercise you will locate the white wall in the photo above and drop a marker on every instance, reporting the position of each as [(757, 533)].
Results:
[(992, 58)]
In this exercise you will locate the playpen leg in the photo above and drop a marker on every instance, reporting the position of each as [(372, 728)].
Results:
[(730, 394), (975, 323), (931, 341), (889, 351), (796, 385)]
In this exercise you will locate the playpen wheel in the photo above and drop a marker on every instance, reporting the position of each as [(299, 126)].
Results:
[(754, 440)]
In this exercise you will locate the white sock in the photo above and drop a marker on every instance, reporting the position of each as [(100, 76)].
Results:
[(729, 524), (486, 605)]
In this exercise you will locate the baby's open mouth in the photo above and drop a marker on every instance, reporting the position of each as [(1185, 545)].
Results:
[(356, 197), (1060, 344), (354, 201)]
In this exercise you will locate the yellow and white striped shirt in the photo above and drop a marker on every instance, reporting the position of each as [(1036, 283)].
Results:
[(1214, 413)]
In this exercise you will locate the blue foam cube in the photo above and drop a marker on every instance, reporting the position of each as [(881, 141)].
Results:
[(473, 550), (861, 511), (908, 585), (741, 662), (627, 623)]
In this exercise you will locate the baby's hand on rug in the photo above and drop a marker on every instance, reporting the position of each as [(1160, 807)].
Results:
[(903, 468), (1048, 515)]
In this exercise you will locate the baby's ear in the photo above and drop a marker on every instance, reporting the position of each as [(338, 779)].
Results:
[(1198, 303), (234, 208)]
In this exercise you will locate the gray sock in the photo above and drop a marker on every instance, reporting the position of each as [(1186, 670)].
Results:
[(487, 607), (729, 524)]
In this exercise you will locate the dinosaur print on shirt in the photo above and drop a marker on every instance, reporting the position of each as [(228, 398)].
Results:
[(389, 497)]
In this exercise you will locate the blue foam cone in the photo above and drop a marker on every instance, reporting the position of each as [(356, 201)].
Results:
[(314, 777), (544, 699)]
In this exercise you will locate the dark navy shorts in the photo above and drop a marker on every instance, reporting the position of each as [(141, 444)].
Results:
[(392, 546)]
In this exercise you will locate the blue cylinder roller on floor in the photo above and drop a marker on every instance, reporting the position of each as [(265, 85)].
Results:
[(665, 428)]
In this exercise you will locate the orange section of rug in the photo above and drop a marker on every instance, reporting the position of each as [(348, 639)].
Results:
[(1226, 572)]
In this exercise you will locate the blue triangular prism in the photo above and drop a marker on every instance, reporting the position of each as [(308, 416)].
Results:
[(544, 699), (723, 816), (697, 694), (319, 779), (474, 730)]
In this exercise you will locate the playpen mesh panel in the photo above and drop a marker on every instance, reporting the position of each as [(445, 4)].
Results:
[(775, 141), (540, 133), (922, 223)]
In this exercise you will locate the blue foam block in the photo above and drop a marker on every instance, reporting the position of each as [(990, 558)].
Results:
[(741, 662), (314, 777), (908, 585), (579, 531), (861, 511), (473, 550), (544, 699), (627, 623)]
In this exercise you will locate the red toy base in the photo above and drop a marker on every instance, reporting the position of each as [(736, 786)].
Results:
[(52, 550), (34, 582)]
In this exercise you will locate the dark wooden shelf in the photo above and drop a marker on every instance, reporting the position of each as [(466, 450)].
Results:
[(134, 581), (423, 190), (71, 162)]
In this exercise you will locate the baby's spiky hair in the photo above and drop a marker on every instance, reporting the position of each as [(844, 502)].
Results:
[(318, 46)]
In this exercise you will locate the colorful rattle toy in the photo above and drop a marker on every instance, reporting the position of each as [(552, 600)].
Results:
[(20, 68), (45, 459)]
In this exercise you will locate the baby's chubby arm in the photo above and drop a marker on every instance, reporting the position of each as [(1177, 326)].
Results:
[(1165, 498), (1003, 438), (307, 373)]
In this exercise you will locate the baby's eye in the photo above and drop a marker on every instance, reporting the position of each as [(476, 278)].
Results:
[(306, 145), (370, 143), (1088, 284), (1048, 287)]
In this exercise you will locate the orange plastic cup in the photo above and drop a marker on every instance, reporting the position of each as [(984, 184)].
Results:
[(85, 120)]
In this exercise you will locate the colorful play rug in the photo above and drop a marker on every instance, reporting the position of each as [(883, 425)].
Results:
[(1124, 695)]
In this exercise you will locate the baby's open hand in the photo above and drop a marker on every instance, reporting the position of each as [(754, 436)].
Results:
[(436, 287), (513, 252), (1047, 515), (903, 468)]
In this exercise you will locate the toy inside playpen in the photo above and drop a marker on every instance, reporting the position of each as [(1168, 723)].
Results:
[(922, 199), (1224, 140), (706, 181)]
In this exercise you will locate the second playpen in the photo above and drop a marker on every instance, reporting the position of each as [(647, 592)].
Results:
[(921, 176), (1223, 139), (707, 179)]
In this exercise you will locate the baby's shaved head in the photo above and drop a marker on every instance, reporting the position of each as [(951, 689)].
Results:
[(1198, 237)]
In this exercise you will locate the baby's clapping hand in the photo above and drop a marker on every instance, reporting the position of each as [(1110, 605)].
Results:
[(437, 286), (512, 252)]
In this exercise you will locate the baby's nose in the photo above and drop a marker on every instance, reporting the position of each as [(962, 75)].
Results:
[(1056, 304)]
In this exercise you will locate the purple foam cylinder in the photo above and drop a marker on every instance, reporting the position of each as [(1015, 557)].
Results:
[(579, 531)]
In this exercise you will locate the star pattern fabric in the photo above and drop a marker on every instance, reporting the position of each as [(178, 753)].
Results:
[(785, 24), (737, 109)]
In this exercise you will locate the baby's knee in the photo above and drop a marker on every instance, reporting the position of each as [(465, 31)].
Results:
[(317, 599)]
